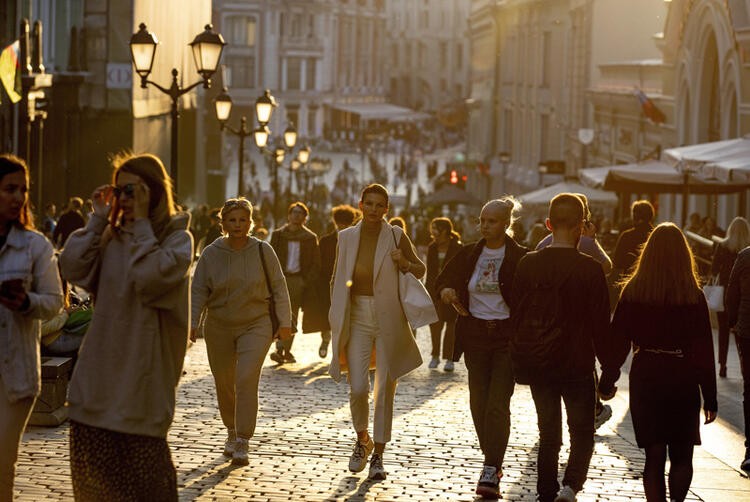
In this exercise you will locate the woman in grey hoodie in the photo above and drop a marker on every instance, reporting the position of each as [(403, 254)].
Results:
[(134, 255), (237, 279), (29, 290)]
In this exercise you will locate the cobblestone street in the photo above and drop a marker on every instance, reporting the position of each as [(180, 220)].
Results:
[(304, 438)]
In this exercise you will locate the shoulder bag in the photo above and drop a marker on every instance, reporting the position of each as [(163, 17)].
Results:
[(271, 300), (415, 300), (714, 295)]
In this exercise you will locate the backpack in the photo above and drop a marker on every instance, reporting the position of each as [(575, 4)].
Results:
[(538, 340)]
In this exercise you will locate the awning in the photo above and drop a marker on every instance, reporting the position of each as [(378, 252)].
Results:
[(726, 161), (381, 111), (654, 177), (544, 195)]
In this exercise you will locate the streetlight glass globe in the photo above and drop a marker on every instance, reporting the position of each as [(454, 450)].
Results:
[(304, 154), (223, 105), (260, 135), (264, 106), (290, 136), (207, 48), (279, 155), (142, 50)]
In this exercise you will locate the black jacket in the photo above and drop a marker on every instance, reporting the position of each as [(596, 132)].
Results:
[(738, 295), (457, 274)]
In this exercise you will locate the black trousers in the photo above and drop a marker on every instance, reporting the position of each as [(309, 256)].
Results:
[(579, 396), (491, 386), (743, 348)]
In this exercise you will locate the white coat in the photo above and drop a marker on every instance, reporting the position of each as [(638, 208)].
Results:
[(401, 351)]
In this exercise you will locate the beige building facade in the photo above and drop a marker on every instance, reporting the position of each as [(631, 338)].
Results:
[(700, 81), (532, 62)]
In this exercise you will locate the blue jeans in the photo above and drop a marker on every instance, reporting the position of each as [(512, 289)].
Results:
[(579, 396)]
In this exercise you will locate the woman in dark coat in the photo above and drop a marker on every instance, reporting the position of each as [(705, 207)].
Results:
[(663, 315), (446, 243), (478, 281), (725, 254)]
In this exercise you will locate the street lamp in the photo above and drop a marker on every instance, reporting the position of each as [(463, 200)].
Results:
[(207, 48), (223, 106), (303, 157), (290, 139)]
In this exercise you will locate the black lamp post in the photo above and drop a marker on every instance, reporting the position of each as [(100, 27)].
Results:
[(207, 48), (223, 106), (303, 157)]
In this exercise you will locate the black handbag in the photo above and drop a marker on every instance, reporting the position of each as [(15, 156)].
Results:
[(271, 301)]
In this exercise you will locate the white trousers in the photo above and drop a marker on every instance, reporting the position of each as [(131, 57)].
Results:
[(363, 336)]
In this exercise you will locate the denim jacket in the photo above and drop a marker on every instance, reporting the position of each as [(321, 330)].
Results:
[(26, 255)]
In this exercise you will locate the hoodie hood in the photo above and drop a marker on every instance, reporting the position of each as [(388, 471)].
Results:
[(221, 244)]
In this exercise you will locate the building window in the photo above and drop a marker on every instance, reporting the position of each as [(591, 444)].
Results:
[(394, 54), (544, 139), (240, 71), (311, 113), (241, 31), (459, 56), (443, 55), (310, 74), (293, 74)]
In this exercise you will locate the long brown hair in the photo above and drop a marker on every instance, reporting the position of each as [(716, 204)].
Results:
[(150, 169), (10, 164), (665, 273)]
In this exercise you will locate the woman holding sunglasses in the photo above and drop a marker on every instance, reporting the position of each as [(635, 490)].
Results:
[(134, 255), (237, 280)]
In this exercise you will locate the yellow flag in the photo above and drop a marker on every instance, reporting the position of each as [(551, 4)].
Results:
[(10, 75)]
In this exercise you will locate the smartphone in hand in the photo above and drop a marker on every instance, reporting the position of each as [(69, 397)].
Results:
[(10, 287)]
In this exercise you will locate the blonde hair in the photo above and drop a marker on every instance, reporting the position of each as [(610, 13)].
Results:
[(738, 235), (240, 203), (509, 207), (665, 272)]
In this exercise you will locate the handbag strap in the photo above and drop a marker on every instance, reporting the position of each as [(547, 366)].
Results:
[(265, 270)]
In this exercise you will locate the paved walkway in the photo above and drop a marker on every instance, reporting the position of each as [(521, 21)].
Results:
[(304, 437)]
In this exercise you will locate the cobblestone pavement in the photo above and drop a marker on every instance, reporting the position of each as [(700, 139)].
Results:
[(304, 438)]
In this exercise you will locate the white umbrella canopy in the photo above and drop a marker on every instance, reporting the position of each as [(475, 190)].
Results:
[(726, 161)]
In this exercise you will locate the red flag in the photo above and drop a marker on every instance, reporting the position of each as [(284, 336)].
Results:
[(649, 108)]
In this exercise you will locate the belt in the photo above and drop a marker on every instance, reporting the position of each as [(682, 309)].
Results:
[(491, 324)]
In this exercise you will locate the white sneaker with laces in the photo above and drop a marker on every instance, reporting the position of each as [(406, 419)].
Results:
[(377, 471), (566, 494), (229, 444), (239, 457), (358, 460), (489, 483)]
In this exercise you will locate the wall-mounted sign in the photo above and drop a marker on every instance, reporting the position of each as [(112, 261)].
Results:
[(119, 76)]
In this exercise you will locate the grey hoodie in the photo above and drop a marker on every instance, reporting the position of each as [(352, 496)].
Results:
[(230, 288)]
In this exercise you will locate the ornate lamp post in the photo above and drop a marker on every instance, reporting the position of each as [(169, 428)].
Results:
[(223, 106), (207, 48)]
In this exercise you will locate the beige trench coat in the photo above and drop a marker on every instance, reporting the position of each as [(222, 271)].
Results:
[(401, 351)]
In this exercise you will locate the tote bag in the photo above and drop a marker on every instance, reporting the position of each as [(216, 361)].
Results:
[(415, 300), (714, 295)]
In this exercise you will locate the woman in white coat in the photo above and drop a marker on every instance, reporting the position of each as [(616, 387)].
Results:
[(366, 313), (30, 290)]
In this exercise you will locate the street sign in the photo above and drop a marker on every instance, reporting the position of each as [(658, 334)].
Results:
[(119, 76)]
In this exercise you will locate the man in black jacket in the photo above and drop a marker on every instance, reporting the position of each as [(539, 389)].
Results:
[(578, 327)]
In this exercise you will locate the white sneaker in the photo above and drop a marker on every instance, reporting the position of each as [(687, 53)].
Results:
[(239, 457), (377, 471), (358, 460), (229, 444), (566, 494), (434, 362), (605, 413), (449, 366)]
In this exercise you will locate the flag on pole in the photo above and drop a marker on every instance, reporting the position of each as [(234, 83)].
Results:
[(649, 108), (10, 74)]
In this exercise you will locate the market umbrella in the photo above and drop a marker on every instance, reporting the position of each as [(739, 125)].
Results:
[(450, 194)]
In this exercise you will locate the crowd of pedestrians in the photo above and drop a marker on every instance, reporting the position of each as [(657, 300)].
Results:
[(531, 309)]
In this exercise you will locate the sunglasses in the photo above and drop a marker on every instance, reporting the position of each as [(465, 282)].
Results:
[(128, 190)]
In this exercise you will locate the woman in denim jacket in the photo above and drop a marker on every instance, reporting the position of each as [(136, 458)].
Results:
[(30, 290)]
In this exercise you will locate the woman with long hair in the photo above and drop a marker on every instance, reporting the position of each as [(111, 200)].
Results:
[(134, 256), (663, 315), (478, 282), (367, 320), (235, 279), (446, 243), (725, 254), (30, 290)]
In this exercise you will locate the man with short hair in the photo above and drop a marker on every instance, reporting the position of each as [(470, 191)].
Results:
[(631, 241), (48, 221), (563, 363), (297, 249)]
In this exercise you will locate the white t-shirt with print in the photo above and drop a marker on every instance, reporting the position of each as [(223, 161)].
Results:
[(485, 299)]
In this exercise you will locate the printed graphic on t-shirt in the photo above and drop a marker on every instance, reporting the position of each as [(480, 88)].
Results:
[(487, 280)]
